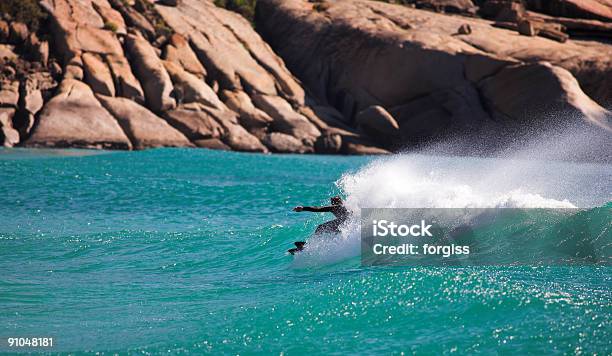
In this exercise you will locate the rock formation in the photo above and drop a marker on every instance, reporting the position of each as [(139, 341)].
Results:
[(586, 9), (75, 118), (362, 77), (138, 74), (417, 69), (143, 128)]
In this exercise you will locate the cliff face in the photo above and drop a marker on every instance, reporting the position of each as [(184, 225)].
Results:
[(436, 74), (132, 74)]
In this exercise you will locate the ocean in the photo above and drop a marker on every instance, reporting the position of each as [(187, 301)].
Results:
[(183, 251)]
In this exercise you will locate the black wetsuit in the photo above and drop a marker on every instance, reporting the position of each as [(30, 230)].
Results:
[(339, 211)]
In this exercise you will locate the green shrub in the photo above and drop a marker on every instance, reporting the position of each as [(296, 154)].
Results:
[(320, 6), (162, 29), (245, 8), (111, 26), (26, 11)]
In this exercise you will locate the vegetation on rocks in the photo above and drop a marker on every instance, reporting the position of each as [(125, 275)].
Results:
[(320, 6), (111, 26), (148, 10), (244, 7), (26, 11)]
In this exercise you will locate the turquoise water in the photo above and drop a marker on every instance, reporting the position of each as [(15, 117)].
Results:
[(183, 251)]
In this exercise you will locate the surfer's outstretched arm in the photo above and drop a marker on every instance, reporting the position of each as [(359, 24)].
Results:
[(314, 209)]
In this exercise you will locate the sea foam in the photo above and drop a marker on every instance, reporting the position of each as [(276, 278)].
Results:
[(428, 181)]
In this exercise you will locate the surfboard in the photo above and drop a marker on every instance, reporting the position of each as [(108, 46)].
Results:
[(299, 246)]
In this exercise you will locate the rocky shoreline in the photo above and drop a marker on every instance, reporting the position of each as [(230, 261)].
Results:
[(373, 77)]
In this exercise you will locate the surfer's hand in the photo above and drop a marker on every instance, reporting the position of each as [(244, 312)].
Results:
[(298, 208)]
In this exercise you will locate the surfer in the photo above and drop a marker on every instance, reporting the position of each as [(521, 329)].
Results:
[(337, 208)]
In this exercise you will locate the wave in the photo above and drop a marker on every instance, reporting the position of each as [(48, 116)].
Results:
[(409, 181), (420, 181)]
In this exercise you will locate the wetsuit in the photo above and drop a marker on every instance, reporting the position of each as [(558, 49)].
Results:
[(339, 211)]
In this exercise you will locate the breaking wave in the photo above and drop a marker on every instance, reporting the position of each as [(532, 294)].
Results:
[(423, 181)]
